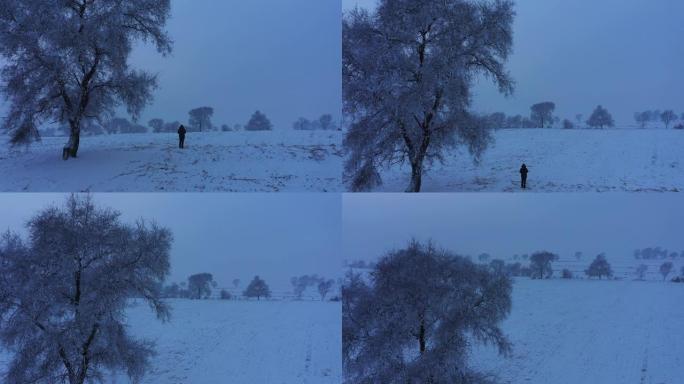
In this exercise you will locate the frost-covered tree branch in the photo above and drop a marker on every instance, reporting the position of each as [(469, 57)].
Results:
[(64, 289), (67, 61), (413, 319), (407, 72)]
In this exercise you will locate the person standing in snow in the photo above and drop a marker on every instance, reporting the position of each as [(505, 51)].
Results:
[(181, 136), (523, 176)]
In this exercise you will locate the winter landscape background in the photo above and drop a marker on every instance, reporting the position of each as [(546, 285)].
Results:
[(570, 326), (270, 161), (534, 69), (223, 327), (257, 86)]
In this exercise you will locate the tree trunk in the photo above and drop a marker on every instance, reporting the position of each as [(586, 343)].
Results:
[(416, 177), (421, 336), (71, 149), (417, 167)]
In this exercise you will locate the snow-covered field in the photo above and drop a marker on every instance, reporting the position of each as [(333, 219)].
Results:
[(588, 331), (213, 342), (279, 160), (311, 161), (561, 161)]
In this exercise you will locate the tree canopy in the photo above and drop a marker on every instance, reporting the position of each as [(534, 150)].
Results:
[(67, 61), (64, 290), (408, 68)]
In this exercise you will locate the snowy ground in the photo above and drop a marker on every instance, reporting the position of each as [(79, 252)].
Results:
[(561, 161), (211, 342), (587, 331), (285, 160)]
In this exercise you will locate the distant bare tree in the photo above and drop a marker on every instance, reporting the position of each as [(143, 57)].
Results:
[(641, 271), (200, 118), (668, 117), (200, 285), (542, 113), (257, 288), (258, 122), (599, 267), (540, 263), (666, 268), (600, 118), (642, 118), (157, 125), (567, 124), (324, 287)]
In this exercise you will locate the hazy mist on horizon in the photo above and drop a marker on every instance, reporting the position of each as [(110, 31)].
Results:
[(503, 225)]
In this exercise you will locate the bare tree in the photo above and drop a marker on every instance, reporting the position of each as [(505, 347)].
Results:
[(600, 118), (67, 61), (666, 268), (599, 267), (200, 118), (257, 288), (301, 283), (668, 117), (157, 125), (540, 263), (63, 293), (200, 285), (567, 124), (642, 118), (258, 122), (407, 76), (641, 271), (326, 121), (542, 113), (324, 287)]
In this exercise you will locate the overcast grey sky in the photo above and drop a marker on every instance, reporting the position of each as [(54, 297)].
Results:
[(281, 57), (626, 55), (276, 236), (507, 224)]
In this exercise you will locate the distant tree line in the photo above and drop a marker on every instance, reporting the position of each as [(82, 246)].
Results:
[(325, 122), (202, 286), (542, 116), (540, 265), (656, 253), (199, 120), (301, 283), (667, 117)]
